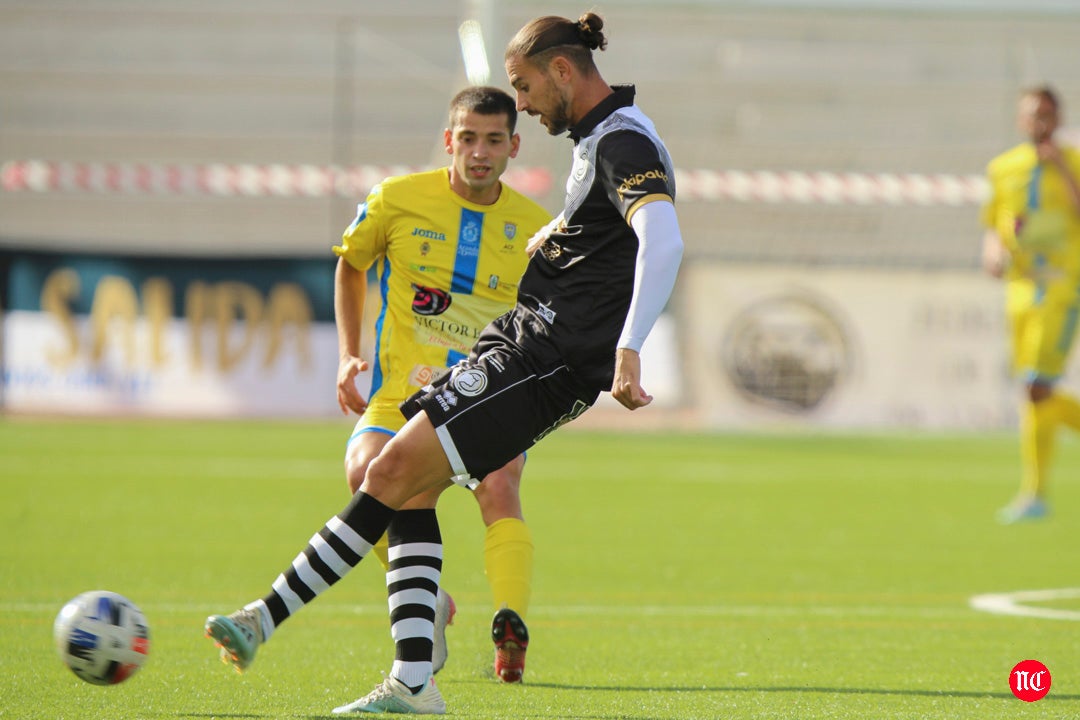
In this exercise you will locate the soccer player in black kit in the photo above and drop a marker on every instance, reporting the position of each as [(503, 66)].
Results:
[(599, 276)]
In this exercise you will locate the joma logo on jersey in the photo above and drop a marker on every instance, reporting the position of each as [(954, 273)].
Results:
[(429, 234), (633, 181)]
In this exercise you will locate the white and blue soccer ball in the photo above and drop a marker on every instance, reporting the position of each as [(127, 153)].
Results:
[(102, 636)]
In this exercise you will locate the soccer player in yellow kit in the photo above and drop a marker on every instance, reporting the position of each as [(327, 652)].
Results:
[(449, 245), (1033, 240)]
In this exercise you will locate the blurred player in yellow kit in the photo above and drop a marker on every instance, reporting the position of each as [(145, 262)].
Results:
[(1033, 240), (449, 246)]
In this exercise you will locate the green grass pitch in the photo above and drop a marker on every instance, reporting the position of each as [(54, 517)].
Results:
[(678, 576)]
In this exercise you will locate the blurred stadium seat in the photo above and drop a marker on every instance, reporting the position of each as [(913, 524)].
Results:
[(329, 82)]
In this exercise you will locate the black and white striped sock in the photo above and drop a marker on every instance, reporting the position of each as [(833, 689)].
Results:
[(329, 556), (412, 582)]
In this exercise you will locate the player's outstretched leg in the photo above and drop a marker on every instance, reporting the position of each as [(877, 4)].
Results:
[(330, 554), (511, 638), (238, 635)]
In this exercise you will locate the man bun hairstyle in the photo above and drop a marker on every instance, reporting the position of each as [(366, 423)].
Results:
[(484, 100), (551, 35), (590, 29)]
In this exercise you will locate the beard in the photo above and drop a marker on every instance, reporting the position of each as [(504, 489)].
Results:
[(558, 121)]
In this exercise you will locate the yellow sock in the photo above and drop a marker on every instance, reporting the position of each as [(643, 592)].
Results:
[(381, 550), (1038, 428), (508, 562), (1067, 409)]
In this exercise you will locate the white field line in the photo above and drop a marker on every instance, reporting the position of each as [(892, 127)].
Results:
[(1015, 603), (1012, 603), (563, 612)]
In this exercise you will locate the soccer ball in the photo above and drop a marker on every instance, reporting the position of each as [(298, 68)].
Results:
[(103, 637)]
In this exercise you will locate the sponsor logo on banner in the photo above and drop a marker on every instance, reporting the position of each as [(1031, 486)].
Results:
[(788, 350), (177, 336)]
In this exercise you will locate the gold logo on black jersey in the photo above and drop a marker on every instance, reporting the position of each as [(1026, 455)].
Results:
[(629, 183)]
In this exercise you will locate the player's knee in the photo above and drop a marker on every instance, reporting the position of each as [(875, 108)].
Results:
[(385, 473), (374, 475), (500, 495), (355, 470), (1038, 391)]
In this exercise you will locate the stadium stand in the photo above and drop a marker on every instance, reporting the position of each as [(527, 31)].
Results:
[(334, 83)]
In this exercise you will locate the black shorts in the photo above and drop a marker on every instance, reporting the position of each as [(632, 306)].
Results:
[(489, 409)]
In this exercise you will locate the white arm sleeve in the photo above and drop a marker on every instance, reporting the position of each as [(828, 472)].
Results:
[(660, 248)]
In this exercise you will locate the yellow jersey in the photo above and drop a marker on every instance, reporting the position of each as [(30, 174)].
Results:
[(446, 267), (1032, 211)]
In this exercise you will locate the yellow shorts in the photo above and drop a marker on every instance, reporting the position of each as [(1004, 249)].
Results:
[(381, 415), (1043, 330)]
